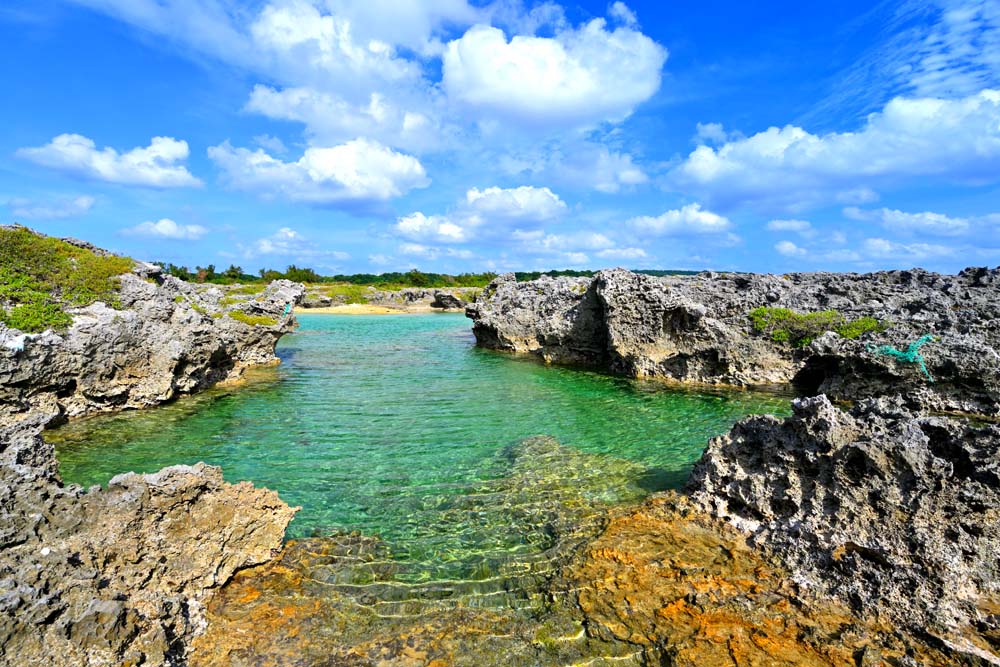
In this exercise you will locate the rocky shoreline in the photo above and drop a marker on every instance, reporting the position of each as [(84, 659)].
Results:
[(406, 300), (884, 507), (120, 575)]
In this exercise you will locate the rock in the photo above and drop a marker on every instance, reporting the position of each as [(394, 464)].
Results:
[(167, 340), (314, 300), (697, 329), (447, 300), (897, 515), (118, 576)]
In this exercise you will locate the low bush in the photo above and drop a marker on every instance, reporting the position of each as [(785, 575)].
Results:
[(784, 325), (40, 276)]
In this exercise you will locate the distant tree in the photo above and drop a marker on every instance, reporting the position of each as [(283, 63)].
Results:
[(234, 272)]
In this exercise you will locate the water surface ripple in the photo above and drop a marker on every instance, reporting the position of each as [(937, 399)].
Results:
[(398, 427)]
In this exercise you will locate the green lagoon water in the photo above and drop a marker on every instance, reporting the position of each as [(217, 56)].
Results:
[(398, 426)]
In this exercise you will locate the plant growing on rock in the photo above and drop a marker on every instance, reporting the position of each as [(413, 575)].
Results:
[(252, 320), (784, 325), (40, 276)]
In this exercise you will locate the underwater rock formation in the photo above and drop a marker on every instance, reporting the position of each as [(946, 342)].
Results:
[(698, 329)]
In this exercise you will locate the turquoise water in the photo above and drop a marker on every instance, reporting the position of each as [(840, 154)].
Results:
[(398, 426)]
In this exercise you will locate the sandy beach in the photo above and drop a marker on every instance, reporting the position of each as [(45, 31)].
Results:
[(353, 309)]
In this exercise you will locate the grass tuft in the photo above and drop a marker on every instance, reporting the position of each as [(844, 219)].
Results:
[(252, 320)]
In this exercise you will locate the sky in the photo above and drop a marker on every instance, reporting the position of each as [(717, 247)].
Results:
[(454, 135)]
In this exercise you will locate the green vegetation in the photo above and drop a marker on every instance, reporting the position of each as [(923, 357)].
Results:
[(40, 276), (349, 293), (783, 325), (252, 320)]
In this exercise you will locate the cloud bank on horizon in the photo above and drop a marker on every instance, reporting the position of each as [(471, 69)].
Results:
[(464, 136)]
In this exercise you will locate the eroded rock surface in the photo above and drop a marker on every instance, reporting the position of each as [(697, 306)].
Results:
[(120, 576), (168, 338), (697, 329), (895, 514)]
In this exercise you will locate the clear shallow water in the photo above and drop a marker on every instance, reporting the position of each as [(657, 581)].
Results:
[(397, 426)]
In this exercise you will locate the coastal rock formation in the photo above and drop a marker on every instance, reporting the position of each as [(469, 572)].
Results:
[(117, 576), (698, 329), (167, 338), (895, 514), (416, 299), (120, 576)]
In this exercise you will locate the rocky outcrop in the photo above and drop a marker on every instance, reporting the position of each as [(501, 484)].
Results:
[(898, 515), (117, 576), (120, 575), (697, 329), (167, 338)]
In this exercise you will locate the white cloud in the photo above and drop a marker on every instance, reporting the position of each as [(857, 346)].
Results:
[(789, 249), (330, 118), (26, 209), (710, 133), (155, 165), (357, 171), (926, 222), (801, 226), (437, 228), (577, 77), (165, 228), (484, 213), (287, 242), (521, 203), (621, 12), (269, 143), (885, 249), (955, 140), (690, 219)]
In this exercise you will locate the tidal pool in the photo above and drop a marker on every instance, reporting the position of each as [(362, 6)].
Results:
[(399, 427)]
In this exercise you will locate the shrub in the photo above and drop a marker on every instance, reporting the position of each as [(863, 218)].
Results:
[(252, 320), (784, 325), (40, 275)]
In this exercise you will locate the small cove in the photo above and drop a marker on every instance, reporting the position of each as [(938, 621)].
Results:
[(399, 427)]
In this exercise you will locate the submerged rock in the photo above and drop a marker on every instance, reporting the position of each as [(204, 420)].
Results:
[(895, 514), (697, 329)]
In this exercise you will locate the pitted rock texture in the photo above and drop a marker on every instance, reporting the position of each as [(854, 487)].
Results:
[(895, 514), (697, 329), (119, 576), (169, 338)]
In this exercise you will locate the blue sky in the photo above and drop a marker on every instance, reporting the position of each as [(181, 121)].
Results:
[(379, 135)]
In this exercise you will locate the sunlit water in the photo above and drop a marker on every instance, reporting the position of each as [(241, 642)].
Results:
[(397, 426)]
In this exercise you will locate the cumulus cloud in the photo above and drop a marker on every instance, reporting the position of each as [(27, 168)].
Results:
[(689, 219), (916, 252), (622, 253), (27, 209), (330, 118), (789, 249), (484, 213), (521, 203), (154, 166), (165, 228), (956, 140), (432, 253), (621, 12), (358, 171), (577, 77), (926, 222)]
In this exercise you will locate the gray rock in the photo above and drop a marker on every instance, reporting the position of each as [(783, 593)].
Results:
[(896, 514), (120, 576), (447, 301), (696, 329)]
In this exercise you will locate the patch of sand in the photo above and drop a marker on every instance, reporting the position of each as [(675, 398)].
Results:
[(353, 309)]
